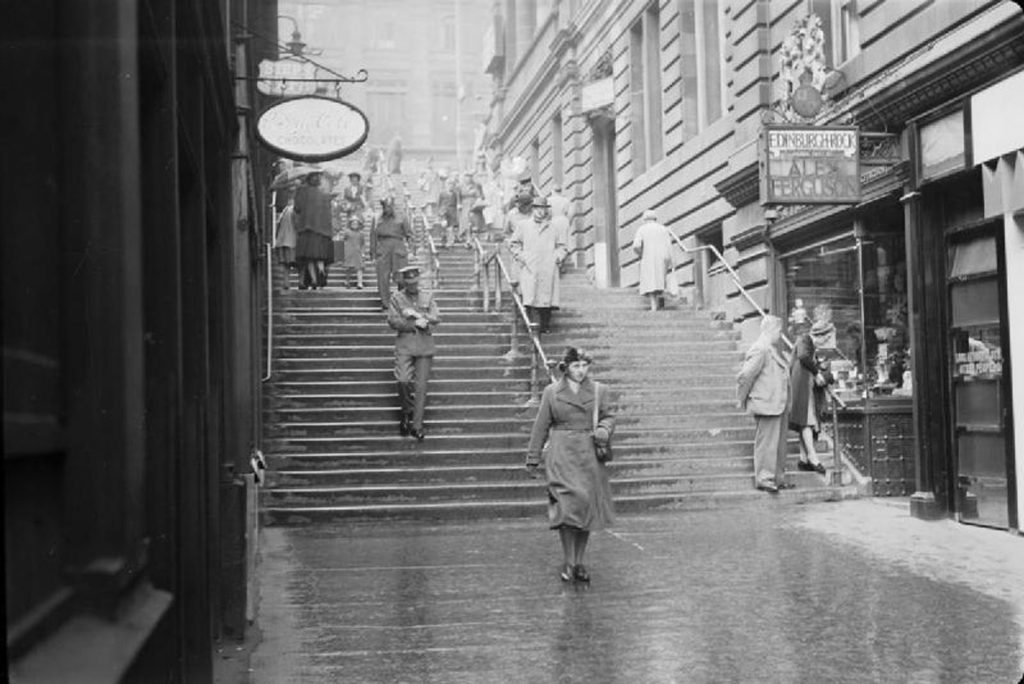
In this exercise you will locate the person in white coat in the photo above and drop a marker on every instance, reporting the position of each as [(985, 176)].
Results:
[(653, 243), (539, 247)]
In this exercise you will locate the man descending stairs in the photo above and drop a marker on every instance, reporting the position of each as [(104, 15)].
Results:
[(332, 417)]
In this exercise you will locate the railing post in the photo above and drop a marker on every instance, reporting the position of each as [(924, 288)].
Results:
[(487, 286), (497, 287), (270, 312), (513, 349), (836, 476), (534, 378)]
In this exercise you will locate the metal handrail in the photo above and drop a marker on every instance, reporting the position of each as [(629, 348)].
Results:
[(435, 260), (743, 291), (836, 400), (270, 313), (539, 357)]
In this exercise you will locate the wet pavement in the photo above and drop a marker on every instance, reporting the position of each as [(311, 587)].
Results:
[(852, 591)]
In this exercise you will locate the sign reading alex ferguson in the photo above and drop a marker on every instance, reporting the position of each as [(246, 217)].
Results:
[(312, 128), (810, 165)]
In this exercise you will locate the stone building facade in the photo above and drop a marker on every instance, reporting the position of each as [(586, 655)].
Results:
[(632, 105)]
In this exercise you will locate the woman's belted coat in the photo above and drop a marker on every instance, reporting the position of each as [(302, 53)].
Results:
[(579, 494)]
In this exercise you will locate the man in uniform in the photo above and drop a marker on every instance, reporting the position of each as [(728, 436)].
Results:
[(388, 240), (413, 313)]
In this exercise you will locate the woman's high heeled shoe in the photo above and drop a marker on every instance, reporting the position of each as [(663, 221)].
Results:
[(567, 573), (580, 573)]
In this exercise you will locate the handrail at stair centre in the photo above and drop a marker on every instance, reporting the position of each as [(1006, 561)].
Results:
[(484, 261)]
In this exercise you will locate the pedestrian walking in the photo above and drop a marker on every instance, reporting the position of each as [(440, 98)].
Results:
[(579, 495), (763, 390), (354, 195), (413, 313), (285, 238), (355, 242), (314, 250), (539, 249), (807, 381), (394, 158), (469, 193), (388, 245), (448, 202), (560, 205), (519, 209), (653, 244)]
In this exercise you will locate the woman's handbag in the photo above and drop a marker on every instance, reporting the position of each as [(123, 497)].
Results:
[(602, 447)]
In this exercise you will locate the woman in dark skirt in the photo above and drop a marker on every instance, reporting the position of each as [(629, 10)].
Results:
[(579, 495), (314, 249), (807, 385)]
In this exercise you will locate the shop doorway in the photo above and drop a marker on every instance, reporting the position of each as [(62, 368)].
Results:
[(606, 225), (982, 447)]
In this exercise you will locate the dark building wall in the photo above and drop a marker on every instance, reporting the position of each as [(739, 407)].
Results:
[(131, 315)]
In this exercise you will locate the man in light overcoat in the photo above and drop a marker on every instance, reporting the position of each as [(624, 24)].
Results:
[(762, 387)]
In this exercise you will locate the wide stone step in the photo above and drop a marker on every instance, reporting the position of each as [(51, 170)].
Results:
[(431, 453), (387, 396), (494, 349), (489, 335), (515, 434), (361, 321), (341, 364), (520, 488), (384, 391), (511, 469), (438, 413), (445, 419), (728, 500)]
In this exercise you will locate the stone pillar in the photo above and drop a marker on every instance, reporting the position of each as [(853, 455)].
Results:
[(526, 25)]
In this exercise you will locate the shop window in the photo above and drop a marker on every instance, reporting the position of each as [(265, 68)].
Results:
[(865, 335), (942, 145), (700, 63), (645, 89)]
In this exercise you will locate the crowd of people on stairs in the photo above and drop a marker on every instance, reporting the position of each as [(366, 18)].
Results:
[(532, 234)]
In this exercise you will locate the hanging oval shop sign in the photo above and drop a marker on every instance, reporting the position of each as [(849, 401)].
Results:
[(312, 128)]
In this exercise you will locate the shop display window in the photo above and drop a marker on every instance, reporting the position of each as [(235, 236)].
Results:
[(856, 291)]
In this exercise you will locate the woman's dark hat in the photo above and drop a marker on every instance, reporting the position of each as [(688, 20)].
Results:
[(541, 203), (573, 354), (356, 175)]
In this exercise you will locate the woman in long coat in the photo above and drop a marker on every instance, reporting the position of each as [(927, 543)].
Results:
[(653, 242), (807, 383), (539, 247), (314, 249), (579, 496)]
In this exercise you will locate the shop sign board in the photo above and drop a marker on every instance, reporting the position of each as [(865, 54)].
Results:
[(312, 128), (810, 164), (287, 78)]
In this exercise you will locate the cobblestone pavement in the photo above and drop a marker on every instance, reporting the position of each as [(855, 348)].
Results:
[(855, 591)]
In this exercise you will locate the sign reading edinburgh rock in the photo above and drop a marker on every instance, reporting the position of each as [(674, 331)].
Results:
[(312, 128), (810, 165)]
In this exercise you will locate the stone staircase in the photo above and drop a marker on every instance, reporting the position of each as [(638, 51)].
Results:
[(681, 442), (331, 417), (332, 441)]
